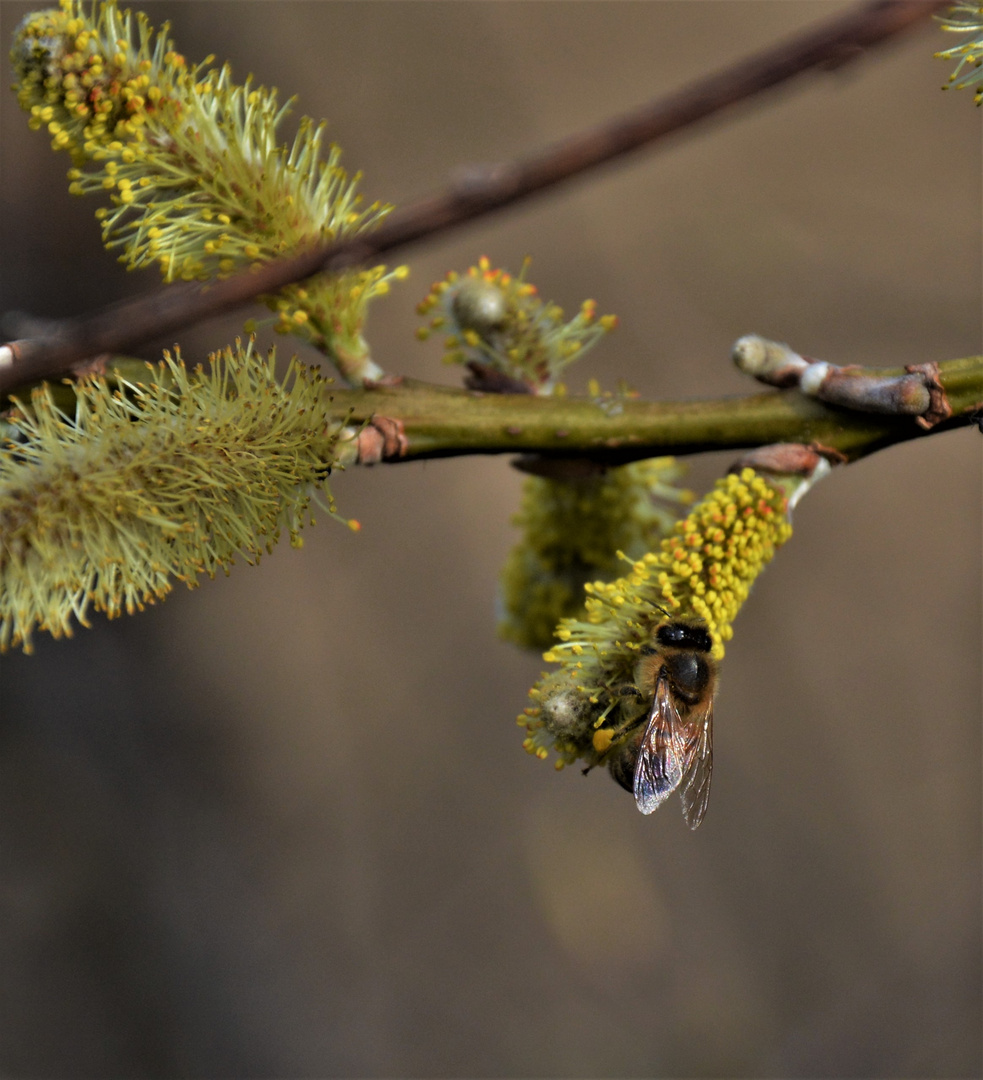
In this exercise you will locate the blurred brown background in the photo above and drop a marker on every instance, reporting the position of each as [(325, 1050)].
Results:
[(283, 825)]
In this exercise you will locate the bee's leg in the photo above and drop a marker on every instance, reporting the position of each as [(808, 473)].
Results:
[(629, 689), (621, 756), (633, 707), (617, 732)]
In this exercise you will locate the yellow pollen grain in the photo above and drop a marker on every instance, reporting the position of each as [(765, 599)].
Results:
[(602, 739)]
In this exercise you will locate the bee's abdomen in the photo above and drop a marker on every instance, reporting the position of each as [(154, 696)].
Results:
[(623, 761)]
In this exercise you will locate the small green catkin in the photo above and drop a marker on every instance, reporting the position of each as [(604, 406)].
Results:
[(572, 534), (496, 318), (152, 482)]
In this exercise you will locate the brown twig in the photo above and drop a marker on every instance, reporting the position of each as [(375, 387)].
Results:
[(916, 393), (475, 191)]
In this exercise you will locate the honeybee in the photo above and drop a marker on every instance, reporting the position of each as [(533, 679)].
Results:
[(674, 748)]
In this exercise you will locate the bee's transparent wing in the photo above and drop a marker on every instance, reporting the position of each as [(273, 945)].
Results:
[(660, 758), (698, 767)]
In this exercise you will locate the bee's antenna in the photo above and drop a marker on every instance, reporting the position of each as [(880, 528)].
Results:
[(668, 614)]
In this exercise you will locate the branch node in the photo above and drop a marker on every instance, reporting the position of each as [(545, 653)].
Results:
[(382, 439), (795, 459), (939, 408), (94, 365), (485, 379)]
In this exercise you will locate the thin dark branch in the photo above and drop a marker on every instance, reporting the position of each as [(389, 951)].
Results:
[(476, 191)]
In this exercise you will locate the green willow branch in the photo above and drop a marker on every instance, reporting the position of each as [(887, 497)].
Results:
[(412, 421)]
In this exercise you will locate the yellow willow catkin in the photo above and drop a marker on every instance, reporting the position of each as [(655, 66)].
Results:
[(189, 161), (703, 572)]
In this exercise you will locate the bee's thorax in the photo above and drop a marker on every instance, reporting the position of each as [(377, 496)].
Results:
[(688, 675)]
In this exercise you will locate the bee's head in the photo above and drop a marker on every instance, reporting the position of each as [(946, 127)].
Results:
[(683, 635)]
